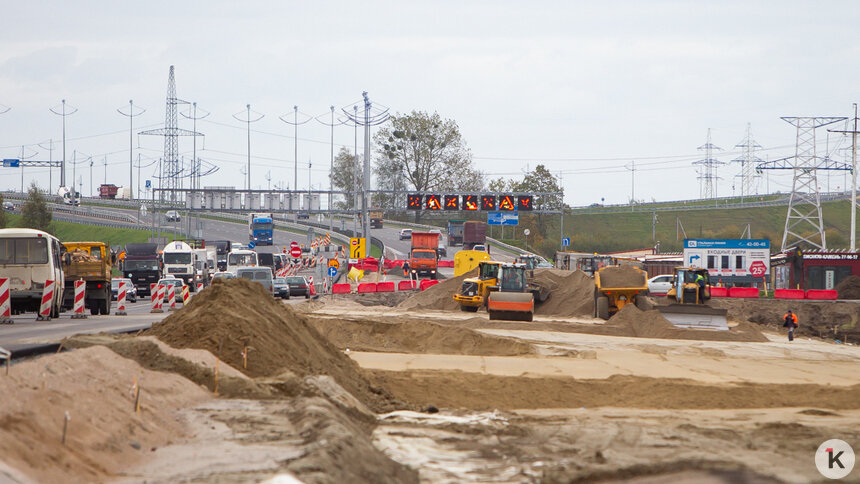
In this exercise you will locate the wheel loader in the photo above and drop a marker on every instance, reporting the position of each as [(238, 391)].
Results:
[(617, 286), (687, 298), (474, 291)]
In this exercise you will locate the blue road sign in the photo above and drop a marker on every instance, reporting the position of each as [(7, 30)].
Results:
[(148, 183), (11, 162), (565, 241), (332, 271), (251, 245), (503, 218)]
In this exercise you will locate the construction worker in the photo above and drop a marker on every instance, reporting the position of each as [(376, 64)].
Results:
[(405, 268), (790, 322), (700, 281)]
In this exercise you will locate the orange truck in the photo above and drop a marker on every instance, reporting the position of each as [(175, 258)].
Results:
[(423, 258)]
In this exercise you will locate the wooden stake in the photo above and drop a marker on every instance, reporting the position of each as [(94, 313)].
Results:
[(137, 401), (216, 375), (65, 426), (245, 358)]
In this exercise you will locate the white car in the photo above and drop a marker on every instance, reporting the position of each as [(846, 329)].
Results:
[(172, 216), (405, 234), (660, 285)]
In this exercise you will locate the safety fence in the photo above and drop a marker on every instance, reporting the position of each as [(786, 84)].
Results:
[(795, 294), (378, 287)]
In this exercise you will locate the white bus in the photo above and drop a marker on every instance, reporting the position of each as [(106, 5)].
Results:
[(28, 258), (241, 258)]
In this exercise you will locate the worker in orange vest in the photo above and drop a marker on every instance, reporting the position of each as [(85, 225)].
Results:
[(790, 322)]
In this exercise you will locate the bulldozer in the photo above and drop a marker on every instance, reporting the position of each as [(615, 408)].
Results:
[(687, 298), (474, 291), (616, 286), (513, 299)]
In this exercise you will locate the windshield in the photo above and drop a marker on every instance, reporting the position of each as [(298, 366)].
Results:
[(296, 280), (242, 259), (168, 282), (424, 254), (177, 258), (512, 279), (114, 283), (140, 265), (280, 280), (263, 225), (24, 251)]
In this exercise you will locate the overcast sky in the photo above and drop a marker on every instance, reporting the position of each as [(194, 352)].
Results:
[(582, 87)]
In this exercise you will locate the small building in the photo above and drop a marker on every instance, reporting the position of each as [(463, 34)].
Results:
[(813, 269)]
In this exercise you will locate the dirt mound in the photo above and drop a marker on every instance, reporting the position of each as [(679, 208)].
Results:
[(622, 276), (631, 321), (571, 293), (234, 314), (849, 288), (415, 336), (440, 296)]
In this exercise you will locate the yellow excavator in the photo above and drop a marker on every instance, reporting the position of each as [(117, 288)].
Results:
[(474, 291), (687, 297)]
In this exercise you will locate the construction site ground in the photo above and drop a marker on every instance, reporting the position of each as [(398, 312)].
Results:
[(238, 387)]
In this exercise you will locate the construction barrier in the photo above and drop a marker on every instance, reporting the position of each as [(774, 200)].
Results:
[(156, 296), (341, 289), (744, 292), (719, 291), (366, 287), (822, 294), (390, 264), (47, 300), (80, 297), (384, 287), (171, 297), (121, 294), (446, 263), (186, 295), (5, 301), (427, 283), (311, 289), (199, 286), (788, 294), (406, 285)]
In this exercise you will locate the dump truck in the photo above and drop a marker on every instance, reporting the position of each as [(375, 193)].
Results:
[(222, 248), (474, 291), (375, 219), (423, 258), (455, 232), (90, 262), (513, 299), (108, 191), (474, 233), (617, 286), (688, 298), (142, 265)]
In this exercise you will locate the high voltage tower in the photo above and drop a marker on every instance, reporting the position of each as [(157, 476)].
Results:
[(172, 171), (803, 222), (708, 169), (748, 161)]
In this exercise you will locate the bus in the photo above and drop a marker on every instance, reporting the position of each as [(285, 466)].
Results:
[(28, 258)]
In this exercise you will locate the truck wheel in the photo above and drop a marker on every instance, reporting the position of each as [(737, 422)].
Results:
[(642, 303), (105, 307), (469, 309), (55, 311), (603, 307), (94, 311)]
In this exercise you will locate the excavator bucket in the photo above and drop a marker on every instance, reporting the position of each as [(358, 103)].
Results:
[(695, 316), (511, 306)]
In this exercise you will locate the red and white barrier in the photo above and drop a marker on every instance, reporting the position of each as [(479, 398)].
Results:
[(199, 286), (5, 302), (121, 294), (80, 298), (171, 297), (47, 300), (341, 288), (822, 294), (186, 295), (157, 294), (311, 289)]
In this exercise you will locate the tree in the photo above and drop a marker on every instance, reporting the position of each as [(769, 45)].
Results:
[(540, 180), (3, 220), (35, 212), (424, 153), (346, 177)]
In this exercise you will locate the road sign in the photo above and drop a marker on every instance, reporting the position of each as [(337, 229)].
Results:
[(527, 231), (565, 241), (357, 248), (251, 244), (503, 218), (333, 263), (148, 184), (295, 251), (11, 162), (757, 268), (332, 271)]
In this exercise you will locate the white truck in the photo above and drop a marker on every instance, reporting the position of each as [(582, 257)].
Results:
[(201, 266), (178, 259)]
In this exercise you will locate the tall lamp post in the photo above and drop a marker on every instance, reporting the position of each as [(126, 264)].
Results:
[(62, 112)]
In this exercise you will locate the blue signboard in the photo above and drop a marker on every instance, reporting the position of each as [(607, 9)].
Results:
[(332, 271), (148, 183), (11, 162), (726, 244), (565, 241), (503, 218), (251, 245)]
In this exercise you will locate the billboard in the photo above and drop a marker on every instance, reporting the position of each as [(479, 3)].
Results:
[(729, 257)]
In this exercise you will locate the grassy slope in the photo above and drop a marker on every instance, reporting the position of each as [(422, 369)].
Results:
[(67, 231)]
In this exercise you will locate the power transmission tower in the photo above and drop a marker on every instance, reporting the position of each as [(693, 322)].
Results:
[(62, 112), (171, 168), (295, 122), (708, 169), (748, 161), (804, 205), (853, 134), (131, 114), (248, 120)]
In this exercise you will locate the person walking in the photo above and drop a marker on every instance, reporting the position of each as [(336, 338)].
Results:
[(790, 322)]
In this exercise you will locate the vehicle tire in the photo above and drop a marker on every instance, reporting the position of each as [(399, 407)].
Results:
[(55, 311), (104, 307), (469, 309), (602, 307), (94, 311), (642, 303)]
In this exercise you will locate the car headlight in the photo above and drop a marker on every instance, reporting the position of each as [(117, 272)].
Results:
[(130, 275), (189, 279)]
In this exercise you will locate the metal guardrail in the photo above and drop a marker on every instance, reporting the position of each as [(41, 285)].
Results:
[(506, 247)]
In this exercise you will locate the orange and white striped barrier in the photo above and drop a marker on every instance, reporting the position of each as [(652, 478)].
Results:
[(47, 300), (80, 297), (5, 302), (186, 295), (156, 294), (121, 295), (171, 297), (311, 289)]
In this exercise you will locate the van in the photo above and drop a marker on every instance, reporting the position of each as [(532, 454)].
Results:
[(263, 275)]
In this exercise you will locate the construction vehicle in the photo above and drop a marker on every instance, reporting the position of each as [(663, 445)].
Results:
[(455, 232), (687, 299), (532, 261), (142, 265), (514, 298), (474, 233), (424, 258), (617, 286), (375, 219), (90, 262), (474, 291), (466, 260)]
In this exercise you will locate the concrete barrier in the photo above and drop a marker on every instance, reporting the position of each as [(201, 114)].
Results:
[(743, 292), (406, 285), (788, 294), (719, 292), (366, 287), (384, 287), (341, 289), (446, 263), (822, 294)]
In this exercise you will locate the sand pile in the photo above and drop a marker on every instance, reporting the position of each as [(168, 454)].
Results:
[(571, 293), (234, 314), (80, 255), (849, 288), (622, 276), (440, 296), (631, 321), (416, 336)]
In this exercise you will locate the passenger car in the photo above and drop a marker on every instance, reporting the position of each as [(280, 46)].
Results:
[(298, 286), (172, 216), (223, 275), (480, 247), (282, 289), (660, 285), (130, 292), (178, 283), (405, 234), (8, 206)]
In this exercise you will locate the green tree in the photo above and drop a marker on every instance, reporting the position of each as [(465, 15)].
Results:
[(346, 177), (536, 181), (3, 220), (35, 212), (423, 152)]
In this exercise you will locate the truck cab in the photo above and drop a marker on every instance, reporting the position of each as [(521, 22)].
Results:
[(241, 258), (423, 258), (261, 227), (178, 258), (142, 265)]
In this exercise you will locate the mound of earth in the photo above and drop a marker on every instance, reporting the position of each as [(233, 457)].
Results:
[(571, 293), (622, 276), (440, 296), (849, 288), (415, 336), (233, 315), (631, 321)]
